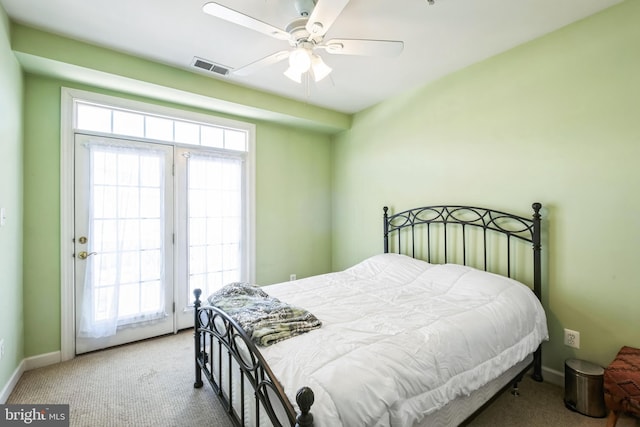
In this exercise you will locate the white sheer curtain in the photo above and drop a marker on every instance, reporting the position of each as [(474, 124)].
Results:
[(124, 279), (216, 232)]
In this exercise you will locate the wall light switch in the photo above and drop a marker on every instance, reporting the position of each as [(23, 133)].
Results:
[(3, 217)]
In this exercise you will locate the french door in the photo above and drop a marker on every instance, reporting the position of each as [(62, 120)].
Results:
[(156, 201), (124, 256), (152, 223), (211, 225)]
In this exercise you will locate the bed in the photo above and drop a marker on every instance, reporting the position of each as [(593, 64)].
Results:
[(424, 333)]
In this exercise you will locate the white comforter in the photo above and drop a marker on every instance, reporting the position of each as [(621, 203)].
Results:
[(401, 337)]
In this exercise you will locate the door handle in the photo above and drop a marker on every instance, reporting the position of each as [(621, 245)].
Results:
[(84, 255)]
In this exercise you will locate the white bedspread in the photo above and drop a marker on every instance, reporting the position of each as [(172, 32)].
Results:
[(401, 337)]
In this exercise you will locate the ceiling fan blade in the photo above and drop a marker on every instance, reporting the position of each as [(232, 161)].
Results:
[(363, 47), (323, 16), (223, 12), (262, 63)]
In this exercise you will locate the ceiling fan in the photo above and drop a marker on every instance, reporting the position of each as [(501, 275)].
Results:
[(305, 35)]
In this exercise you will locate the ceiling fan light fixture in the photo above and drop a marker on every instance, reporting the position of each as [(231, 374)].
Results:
[(320, 69), (300, 60), (294, 74), (305, 34)]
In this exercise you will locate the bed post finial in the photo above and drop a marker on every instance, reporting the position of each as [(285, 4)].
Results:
[(197, 292), (304, 398), (536, 208)]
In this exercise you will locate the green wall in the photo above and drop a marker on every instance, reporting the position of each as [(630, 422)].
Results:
[(556, 121), (294, 203), (11, 326)]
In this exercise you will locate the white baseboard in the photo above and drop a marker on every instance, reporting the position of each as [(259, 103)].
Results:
[(13, 381), (42, 360), (26, 365), (552, 376)]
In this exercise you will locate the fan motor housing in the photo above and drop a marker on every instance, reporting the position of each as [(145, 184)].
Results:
[(298, 30)]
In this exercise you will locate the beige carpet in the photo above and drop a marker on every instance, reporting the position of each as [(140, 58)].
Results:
[(150, 383), (538, 405)]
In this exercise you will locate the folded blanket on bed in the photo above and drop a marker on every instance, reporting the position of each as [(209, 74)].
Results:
[(265, 319)]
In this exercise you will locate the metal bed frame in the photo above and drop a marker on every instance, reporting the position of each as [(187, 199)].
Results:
[(223, 349)]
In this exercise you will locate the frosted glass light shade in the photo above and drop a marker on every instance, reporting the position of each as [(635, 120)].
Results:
[(294, 74), (320, 69), (300, 60)]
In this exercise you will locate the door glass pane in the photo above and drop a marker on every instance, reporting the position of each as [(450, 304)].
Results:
[(126, 229), (214, 226)]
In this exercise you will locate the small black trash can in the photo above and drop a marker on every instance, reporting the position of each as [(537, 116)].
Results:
[(584, 388)]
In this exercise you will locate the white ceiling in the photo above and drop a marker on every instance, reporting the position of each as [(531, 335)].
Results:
[(438, 39)]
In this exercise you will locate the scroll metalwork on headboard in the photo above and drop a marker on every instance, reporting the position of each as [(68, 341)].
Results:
[(455, 222)]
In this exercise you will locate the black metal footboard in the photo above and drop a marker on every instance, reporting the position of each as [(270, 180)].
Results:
[(239, 375)]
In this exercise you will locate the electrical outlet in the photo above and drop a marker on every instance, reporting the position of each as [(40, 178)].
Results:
[(2, 349), (572, 338), (292, 277)]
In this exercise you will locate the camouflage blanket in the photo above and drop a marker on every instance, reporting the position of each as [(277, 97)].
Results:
[(265, 319)]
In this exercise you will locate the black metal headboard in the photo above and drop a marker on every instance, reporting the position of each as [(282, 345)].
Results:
[(458, 220)]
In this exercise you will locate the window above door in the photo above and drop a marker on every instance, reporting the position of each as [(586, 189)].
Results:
[(108, 119)]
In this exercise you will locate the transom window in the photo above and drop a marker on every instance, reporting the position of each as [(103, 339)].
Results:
[(117, 121)]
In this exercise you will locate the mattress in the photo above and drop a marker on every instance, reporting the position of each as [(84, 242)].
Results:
[(402, 338)]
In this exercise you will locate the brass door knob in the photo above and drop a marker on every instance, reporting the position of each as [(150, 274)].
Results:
[(84, 255)]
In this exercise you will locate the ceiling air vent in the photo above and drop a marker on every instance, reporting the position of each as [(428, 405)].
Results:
[(206, 65)]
